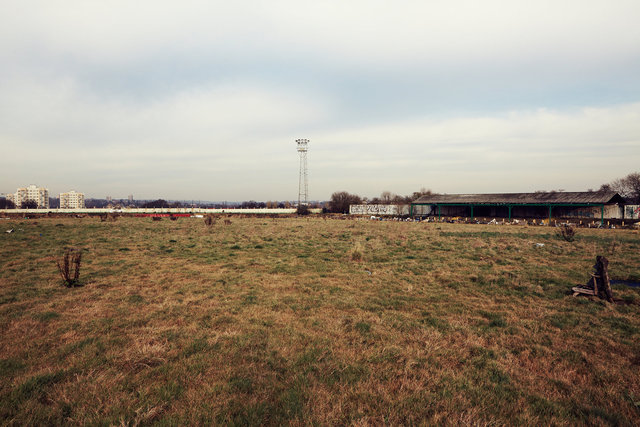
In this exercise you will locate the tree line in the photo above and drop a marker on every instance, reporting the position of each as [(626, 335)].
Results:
[(340, 200), (628, 187)]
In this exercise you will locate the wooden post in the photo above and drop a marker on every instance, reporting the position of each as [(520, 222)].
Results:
[(602, 267)]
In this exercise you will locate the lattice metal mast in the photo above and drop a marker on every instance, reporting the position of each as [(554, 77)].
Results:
[(303, 185)]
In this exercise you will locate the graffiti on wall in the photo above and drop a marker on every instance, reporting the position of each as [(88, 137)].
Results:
[(632, 211), (379, 209)]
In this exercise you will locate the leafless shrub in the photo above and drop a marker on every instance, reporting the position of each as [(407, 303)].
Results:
[(209, 220), (173, 218), (227, 222), (303, 210), (69, 267), (567, 232), (110, 217), (156, 218), (357, 253), (613, 245)]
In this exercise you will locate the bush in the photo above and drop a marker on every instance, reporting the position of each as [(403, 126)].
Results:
[(108, 217), (357, 253), (29, 204), (209, 220), (69, 267), (6, 204), (303, 210), (341, 200), (567, 232)]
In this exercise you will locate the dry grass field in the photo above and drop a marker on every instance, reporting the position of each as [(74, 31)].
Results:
[(311, 321)]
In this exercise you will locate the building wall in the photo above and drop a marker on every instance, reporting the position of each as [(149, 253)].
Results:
[(379, 209), (38, 194), (610, 212), (632, 211), (71, 200), (613, 211)]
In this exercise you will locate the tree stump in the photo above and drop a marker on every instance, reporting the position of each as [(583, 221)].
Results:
[(604, 286), (599, 284)]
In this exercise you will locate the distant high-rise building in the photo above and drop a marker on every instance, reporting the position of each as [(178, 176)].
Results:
[(40, 195), (108, 198), (130, 198), (71, 200)]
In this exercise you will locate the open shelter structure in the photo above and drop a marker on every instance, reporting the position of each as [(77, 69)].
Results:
[(524, 205)]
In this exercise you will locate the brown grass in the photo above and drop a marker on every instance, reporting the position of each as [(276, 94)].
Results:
[(273, 321)]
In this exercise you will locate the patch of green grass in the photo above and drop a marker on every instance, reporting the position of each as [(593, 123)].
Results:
[(250, 299), (36, 386), (563, 320), (46, 316), (135, 299), (241, 384), (623, 326), (196, 346), (432, 321), (363, 327), (170, 391), (11, 366), (496, 320)]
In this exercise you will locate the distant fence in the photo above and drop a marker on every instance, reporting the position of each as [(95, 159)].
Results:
[(133, 211)]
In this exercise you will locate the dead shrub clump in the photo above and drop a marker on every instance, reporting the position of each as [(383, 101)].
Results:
[(108, 217), (209, 220), (69, 267), (357, 253), (156, 218), (567, 232), (303, 210)]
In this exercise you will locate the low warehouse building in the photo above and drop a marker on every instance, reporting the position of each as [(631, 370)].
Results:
[(588, 204)]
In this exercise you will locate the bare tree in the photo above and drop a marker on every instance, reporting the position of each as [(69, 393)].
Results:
[(6, 204), (340, 201), (632, 187), (423, 192), (29, 204), (386, 197), (628, 187)]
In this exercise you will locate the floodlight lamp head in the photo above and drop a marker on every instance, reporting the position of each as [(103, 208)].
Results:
[(302, 144)]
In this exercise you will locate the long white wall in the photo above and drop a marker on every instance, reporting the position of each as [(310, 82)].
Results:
[(379, 209), (159, 210)]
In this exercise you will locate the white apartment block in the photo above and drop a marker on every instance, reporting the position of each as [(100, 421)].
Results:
[(40, 195), (71, 200)]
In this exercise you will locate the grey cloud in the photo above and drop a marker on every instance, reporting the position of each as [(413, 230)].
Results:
[(457, 96)]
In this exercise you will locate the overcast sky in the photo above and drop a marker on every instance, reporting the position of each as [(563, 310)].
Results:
[(205, 99)]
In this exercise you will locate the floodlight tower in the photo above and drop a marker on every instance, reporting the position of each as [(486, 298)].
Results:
[(303, 186)]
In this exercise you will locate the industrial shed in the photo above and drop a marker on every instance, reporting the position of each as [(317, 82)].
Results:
[(588, 204)]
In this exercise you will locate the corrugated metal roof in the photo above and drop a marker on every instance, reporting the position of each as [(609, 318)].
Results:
[(580, 197)]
